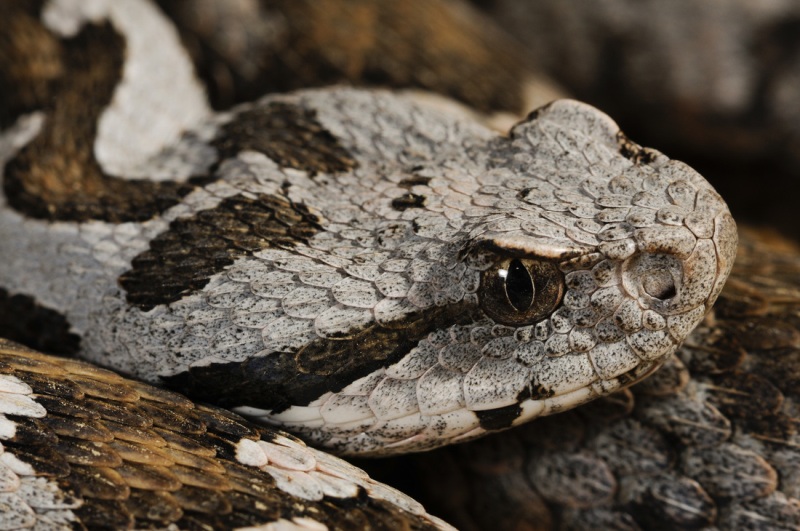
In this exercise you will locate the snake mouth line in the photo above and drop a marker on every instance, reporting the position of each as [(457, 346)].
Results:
[(279, 380)]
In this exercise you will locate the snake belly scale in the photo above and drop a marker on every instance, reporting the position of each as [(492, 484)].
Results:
[(363, 268)]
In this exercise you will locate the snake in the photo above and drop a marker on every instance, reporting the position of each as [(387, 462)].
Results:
[(85, 448), (377, 272)]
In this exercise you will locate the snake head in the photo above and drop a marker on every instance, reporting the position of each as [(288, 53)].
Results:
[(604, 257), (449, 281)]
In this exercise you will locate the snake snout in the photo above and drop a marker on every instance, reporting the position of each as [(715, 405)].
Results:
[(656, 280), (682, 263)]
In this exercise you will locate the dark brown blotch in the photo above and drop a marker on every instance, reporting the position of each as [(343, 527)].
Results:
[(538, 392), (288, 134), (409, 200), (280, 379), (633, 151), (56, 176), (500, 418), (414, 180), (182, 259)]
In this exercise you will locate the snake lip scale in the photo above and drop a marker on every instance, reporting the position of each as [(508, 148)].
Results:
[(359, 267)]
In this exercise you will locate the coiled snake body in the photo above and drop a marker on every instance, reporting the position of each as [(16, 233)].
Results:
[(376, 273)]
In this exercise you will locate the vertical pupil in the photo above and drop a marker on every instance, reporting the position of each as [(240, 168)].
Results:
[(519, 286)]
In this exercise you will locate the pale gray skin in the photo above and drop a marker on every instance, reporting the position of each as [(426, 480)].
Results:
[(708, 442), (559, 189)]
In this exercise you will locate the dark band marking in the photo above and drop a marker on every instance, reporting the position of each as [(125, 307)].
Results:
[(30, 60), (407, 201), (56, 176), (415, 43), (288, 134), (280, 380), (536, 391), (23, 320), (500, 418), (633, 151), (182, 259), (503, 417), (414, 180)]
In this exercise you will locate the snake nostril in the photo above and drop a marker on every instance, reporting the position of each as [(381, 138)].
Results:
[(656, 280), (660, 285)]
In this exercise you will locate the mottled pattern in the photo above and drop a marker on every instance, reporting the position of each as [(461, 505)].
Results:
[(323, 366), (709, 442), (56, 176), (366, 314), (81, 447), (245, 48), (289, 135), (181, 260)]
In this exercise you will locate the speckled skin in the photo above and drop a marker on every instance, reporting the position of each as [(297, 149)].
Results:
[(84, 448), (710, 441), (564, 186)]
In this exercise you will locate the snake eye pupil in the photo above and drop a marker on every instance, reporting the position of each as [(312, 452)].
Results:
[(519, 286), (520, 291)]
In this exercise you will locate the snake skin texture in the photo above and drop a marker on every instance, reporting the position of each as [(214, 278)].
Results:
[(365, 269), (709, 442), (83, 448)]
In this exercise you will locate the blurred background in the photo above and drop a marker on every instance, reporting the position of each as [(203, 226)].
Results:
[(715, 83)]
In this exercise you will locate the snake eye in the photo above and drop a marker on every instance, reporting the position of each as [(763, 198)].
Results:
[(520, 291)]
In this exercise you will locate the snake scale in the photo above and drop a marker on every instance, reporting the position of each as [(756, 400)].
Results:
[(378, 272)]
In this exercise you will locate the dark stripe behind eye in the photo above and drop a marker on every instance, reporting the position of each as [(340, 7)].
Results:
[(279, 380)]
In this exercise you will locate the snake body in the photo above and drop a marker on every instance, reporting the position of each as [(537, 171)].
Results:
[(377, 272)]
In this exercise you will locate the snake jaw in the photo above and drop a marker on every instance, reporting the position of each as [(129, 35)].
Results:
[(641, 244)]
